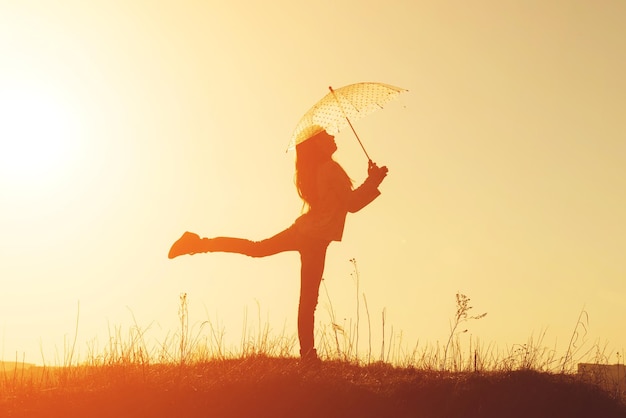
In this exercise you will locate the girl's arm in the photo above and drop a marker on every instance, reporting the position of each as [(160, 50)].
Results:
[(368, 191)]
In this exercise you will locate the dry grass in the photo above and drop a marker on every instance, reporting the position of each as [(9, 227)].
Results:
[(192, 374), (281, 387)]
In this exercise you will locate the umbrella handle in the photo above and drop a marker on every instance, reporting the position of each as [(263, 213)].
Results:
[(349, 123)]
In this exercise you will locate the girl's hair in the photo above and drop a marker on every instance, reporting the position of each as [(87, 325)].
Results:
[(310, 156)]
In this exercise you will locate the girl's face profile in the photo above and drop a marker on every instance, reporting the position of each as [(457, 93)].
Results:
[(326, 143), (321, 144)]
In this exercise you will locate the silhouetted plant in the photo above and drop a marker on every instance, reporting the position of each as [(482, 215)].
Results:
[(576, 339), (461, 316), (355, 276), (183, 316)]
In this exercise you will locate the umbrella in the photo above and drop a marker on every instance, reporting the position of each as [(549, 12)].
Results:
[(336, 110)]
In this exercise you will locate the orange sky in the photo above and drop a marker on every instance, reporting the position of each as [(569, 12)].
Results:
[(124, 124)]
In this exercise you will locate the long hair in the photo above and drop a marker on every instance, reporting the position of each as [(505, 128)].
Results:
[(310, 156)]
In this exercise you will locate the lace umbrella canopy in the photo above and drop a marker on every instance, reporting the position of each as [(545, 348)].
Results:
[(338, 108)]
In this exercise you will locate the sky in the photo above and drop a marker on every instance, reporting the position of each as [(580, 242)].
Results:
[(125, 123)]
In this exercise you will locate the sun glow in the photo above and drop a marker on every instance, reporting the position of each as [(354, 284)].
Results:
[(39, 138)]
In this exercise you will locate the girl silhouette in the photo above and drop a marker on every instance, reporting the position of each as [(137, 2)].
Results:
[(328, 196)]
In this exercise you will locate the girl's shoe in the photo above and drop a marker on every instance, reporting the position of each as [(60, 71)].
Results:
[(188, 243), (310, 358)]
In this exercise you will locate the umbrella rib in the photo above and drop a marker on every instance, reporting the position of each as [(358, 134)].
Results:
[(350, 102)]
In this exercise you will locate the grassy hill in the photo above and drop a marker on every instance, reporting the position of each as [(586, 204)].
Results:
[(260, 386), (192, 374)]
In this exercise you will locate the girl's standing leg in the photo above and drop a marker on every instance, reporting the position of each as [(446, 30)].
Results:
[(313, 257)]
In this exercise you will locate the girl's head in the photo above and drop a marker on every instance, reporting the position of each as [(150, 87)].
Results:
[(311, 154), (320, 146)]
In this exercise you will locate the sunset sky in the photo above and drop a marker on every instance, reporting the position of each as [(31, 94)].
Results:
[(125, 123)]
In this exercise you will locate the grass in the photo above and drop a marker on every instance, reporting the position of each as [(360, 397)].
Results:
[(281, 387), (191, 374)]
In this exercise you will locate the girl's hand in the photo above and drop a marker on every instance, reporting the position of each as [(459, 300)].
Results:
[(376, 173)]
